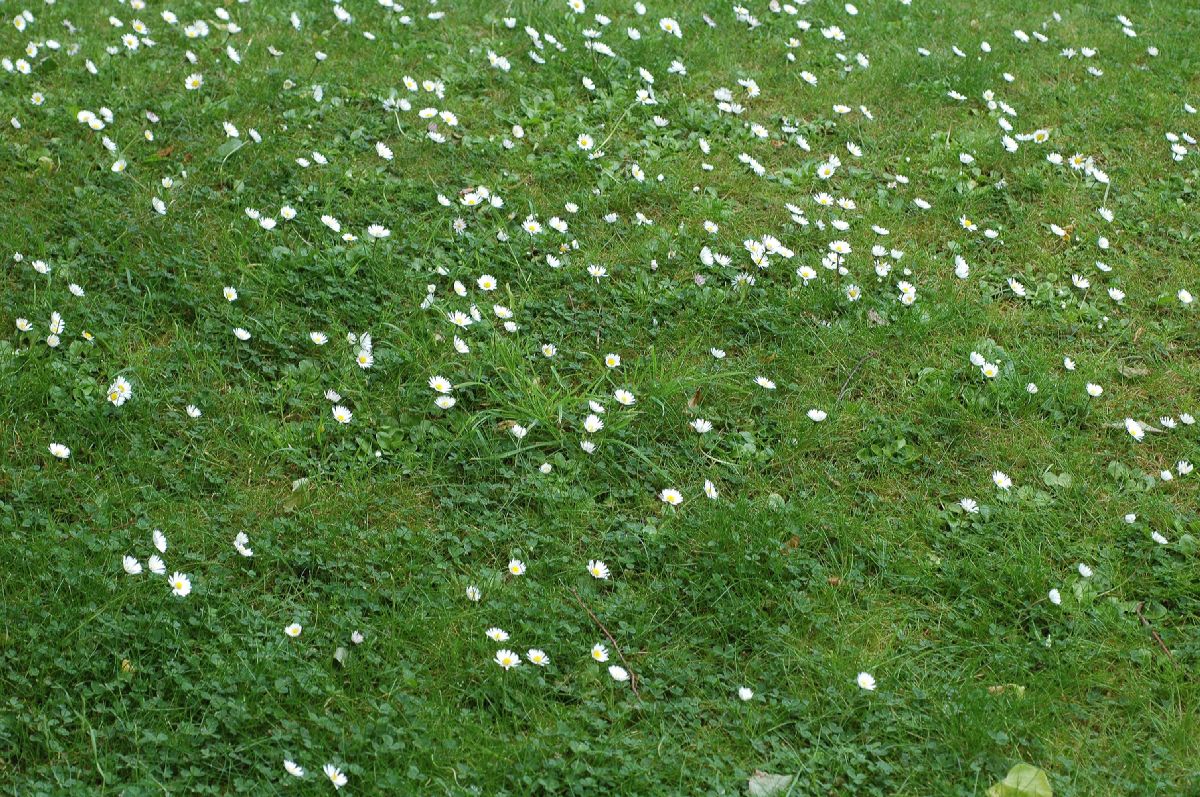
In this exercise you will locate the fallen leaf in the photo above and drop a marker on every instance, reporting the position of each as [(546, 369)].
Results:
[(766, 784), (1000, 689)]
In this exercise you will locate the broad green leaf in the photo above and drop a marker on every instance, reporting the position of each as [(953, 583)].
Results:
[(230, 146), (1023, 780)]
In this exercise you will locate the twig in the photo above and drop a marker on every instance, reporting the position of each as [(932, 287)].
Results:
[(1154, 634), (846, 384), (632, 677), (1145, 427)]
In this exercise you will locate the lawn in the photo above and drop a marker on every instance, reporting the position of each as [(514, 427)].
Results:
[(533, 397)]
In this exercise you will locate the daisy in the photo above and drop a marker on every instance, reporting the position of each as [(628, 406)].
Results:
[(624, 397), (119, 391), (764, 383), (597, 568), (473, 594), (592, 424), (293, 769), (181, 585), (599, 652), (60, 451), (1000, 478), (507, 659), (132, 566), (497, 634), (341, 414), (335, 775), (537, 657), (866, 681), (745, 693), (193, 81), (618, 673), (516, 567), (672, 497), (293, 630)]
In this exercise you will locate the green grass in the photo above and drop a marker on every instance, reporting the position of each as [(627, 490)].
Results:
[(834, 548)]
